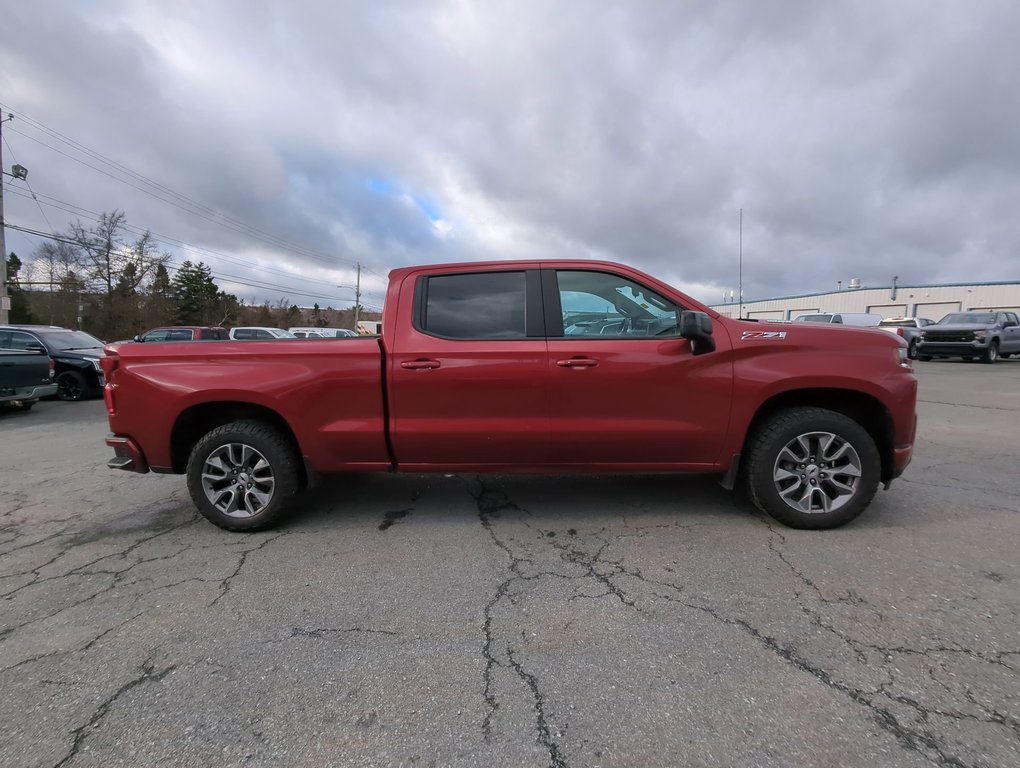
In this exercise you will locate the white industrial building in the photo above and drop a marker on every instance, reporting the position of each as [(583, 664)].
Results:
[(930, 301)]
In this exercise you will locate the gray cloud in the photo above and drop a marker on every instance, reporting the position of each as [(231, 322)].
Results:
[(860, 139)]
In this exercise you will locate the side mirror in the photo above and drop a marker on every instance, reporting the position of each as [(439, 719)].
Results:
[(696, 327), (138, 338)]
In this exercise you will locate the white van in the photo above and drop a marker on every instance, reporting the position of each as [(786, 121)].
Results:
[(842, 318)]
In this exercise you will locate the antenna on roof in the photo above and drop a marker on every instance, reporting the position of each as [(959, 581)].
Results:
[(740, 264)]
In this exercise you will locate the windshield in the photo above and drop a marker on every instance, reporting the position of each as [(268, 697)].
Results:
[(974, 318), (899, 323), (68, 340), (813, 319)]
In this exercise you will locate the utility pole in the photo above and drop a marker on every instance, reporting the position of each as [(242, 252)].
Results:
[(5, 302), (357, 299)]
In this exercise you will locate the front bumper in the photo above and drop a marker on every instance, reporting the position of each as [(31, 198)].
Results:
[(948, 349), (128, 456)]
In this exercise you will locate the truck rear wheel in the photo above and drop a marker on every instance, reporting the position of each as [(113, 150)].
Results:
[(242, 476), (812, 468)]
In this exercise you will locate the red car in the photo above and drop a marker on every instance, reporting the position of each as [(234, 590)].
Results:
[(184, 333)]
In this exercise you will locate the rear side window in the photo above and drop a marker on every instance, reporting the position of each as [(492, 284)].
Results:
[(213, 333), (18, 340), (478, 305), (179, 334)]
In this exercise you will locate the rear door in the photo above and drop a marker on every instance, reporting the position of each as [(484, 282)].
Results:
[(467, 372), (624, 388), (22, 365)]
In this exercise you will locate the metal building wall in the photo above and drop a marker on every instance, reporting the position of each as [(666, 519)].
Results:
[(933, 301)]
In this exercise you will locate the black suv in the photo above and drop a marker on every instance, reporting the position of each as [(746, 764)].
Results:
[(75, 356)]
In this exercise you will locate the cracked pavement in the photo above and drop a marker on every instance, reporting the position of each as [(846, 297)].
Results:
[(519, 621)]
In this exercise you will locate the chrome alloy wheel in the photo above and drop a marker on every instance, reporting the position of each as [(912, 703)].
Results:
[(817, 472), (238, 480)]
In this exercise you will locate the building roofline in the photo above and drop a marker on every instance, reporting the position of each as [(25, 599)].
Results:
[(868, 288)]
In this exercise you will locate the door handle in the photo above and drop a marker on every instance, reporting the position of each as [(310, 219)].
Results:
[(420, 365), (577, 362)]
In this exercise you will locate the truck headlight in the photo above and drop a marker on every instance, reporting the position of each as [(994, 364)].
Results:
[(980, 335), (920, 335), (94, 361)]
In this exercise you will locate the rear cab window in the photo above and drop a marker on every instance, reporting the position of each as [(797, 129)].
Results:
[(501, 305)]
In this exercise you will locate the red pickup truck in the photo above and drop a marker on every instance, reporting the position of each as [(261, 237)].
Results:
[(527, 366)]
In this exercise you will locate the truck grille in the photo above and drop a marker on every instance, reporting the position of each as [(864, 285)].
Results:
[(941, 336)]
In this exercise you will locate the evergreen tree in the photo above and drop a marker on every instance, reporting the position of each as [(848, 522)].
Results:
[(194, 294), (20, 312)]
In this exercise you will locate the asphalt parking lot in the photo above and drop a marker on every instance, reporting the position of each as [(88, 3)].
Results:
[(517, 621)]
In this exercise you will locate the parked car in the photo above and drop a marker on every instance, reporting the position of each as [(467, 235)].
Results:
[(842, 318), (75, 356), (26, 371), (475, 372), (250, 332), (184, 333), (305, 333), (908, 328), (984, 336)]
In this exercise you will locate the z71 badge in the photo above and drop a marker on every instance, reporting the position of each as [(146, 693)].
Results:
[(762, 335)]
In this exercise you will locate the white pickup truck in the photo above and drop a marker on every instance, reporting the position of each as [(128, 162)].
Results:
[(907, 327)]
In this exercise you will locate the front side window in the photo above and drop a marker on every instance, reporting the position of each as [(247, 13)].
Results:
[(159, 335), (608, 305), (477, 305)]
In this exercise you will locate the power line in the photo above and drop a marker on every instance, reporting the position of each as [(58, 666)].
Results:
[(162, 192), (287, 290), (166, 241)]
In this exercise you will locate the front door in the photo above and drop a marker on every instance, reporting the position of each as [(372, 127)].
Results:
[(624, 388)]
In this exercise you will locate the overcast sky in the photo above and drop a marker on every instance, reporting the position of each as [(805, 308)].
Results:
[(861, 139)]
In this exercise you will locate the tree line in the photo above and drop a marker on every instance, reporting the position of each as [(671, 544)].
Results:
[(100, 280)]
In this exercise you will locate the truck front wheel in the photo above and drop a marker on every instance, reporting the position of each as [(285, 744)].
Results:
[(243, 475), (812, 468), (992, 353)]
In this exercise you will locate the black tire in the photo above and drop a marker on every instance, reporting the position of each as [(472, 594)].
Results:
[(835, 491), (924, 358), (992, 353), (71, 386), (254, 474)]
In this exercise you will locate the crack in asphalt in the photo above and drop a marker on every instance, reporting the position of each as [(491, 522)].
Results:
[(82, 732), (544, 738), (226, 583), (915, 737), (323, 631)]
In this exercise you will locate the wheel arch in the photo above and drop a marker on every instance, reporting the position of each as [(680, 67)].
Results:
[(866, 410), (198, 420)]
